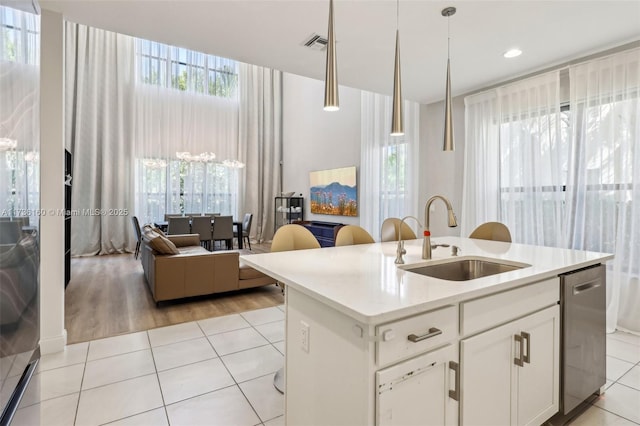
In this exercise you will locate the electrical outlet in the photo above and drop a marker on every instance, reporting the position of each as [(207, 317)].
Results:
[(304, 336)]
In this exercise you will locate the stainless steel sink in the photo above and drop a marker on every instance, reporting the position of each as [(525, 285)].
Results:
[(465, 269)]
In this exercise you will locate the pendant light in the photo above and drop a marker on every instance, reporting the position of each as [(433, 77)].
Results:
[(331, 102), (448, 116), (397, 125)]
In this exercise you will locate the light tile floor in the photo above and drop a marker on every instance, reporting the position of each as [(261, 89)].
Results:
[(219, 371)]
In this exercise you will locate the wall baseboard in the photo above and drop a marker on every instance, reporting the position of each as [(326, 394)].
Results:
[(54, 344)]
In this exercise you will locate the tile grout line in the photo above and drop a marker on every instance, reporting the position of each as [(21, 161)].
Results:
[(84, 370), (155, 366), (236, 384)]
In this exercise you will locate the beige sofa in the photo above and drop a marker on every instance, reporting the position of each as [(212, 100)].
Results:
[(195, 271)]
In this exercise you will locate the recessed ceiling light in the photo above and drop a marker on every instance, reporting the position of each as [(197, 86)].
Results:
[(512, 53)]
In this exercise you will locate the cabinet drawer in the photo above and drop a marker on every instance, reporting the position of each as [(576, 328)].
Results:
[(409, 336), (486, 312)]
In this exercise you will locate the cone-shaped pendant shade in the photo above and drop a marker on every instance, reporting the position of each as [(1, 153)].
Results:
[(448, 117), (397, 125), (331, 102)]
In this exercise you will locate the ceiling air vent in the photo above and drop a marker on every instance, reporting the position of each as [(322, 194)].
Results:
[(315, 42)]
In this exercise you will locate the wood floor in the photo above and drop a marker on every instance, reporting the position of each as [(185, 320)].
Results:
[(108, 295)]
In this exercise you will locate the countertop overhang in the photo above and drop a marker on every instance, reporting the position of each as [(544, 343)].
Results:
[(363, 282)]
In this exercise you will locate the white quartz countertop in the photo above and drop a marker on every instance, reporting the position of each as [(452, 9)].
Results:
[(363, 281)]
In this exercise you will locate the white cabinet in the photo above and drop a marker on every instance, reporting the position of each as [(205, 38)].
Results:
[(419, 391), (509, 374)]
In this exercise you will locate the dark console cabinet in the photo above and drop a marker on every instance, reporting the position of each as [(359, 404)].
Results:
[(323, 231)]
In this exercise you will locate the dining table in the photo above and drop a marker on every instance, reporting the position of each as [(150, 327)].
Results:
[(164, 224)]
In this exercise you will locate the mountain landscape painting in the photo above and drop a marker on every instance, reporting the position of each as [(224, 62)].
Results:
[(334, 192)]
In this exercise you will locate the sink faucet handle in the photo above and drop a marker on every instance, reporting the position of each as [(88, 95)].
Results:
[(455, 250), (433, 246)]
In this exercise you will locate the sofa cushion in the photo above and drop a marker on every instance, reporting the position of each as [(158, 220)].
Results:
[(158, 242), (193, 250)]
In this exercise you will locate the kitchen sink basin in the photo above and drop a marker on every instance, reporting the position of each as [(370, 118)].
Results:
[(465, 269)]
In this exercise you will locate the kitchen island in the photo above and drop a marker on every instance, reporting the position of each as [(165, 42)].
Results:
[(370, 342)]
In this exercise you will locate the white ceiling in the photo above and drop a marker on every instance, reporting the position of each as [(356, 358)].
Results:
[(271, 33)]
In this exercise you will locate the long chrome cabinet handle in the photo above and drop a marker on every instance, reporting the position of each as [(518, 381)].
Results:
[(432, 333), (527, 356), (518, 339), (455, 394)]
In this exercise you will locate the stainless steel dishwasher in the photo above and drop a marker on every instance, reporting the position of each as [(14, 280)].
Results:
[(583, 339)]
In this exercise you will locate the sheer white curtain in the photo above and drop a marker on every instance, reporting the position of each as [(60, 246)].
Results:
[(169, 121), (186, 125), (481, 187), (515, 160), (388, 164), (603, 192), (260, 145), (98, 128), (19, 114), (532, 160)]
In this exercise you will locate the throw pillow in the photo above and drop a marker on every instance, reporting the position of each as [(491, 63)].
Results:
[(163, 245), (158, 241)]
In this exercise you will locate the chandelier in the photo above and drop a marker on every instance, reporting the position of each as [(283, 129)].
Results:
[(205, 157)]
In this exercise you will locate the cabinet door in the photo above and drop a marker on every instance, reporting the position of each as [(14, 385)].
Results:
[(416, 392), (486, 362), (498, 391), (538, 378)]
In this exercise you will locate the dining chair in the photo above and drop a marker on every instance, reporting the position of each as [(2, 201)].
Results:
[(178, 225), (495, 231), (201, 225), (212, 214), (168, 215), (390, 230), (223, 231), (138, 231), (351, 235), (287, 238), (246, 228), (10, 232)]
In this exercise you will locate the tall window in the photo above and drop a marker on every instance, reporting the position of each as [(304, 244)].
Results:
[(564, 177), (388, 168), (183, 69), (19, 36), (19, 131), (186, 103), (181, 187)]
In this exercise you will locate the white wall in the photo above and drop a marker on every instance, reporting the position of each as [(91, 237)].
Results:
[(314, 139), (53, 335), (441, 173)]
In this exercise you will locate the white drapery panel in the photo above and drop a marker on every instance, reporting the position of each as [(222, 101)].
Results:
[(260, 145), (388, 164), (603, 192), (533, 160), (169, 121), (515, 160), (98, 130), (592, 148), (19, 114), (481, 187)]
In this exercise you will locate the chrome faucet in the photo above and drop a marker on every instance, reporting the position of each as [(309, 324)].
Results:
[(400, 251), (452, 223)]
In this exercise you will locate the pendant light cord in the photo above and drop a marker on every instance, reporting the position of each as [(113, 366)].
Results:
[(448, 36), (397, 15)]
